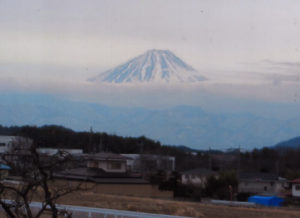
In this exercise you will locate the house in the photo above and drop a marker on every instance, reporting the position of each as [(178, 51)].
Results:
[(6, 140), (53, 151), (196, 176), (108, 162), (7, 143), (261, 183), (295, 188), (143, 163), (108, 173), (4, 170)]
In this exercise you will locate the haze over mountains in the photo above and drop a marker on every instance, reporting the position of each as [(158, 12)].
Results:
[(159, 66), (251, 95), (181, 125)]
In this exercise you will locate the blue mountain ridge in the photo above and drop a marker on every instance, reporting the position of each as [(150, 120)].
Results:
[(181, 125), (291, 143)]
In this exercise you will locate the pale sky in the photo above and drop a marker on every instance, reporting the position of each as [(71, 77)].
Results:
[(53, 46)]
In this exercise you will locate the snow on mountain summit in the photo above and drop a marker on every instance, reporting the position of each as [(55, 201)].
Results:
[(152, 66)]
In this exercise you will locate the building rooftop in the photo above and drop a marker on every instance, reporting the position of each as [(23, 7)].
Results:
[(295, 181), (105, 156), (4, 167), (258, 176), (100, 176)]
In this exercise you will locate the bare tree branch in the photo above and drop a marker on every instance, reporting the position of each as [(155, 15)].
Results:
[(35, 172)]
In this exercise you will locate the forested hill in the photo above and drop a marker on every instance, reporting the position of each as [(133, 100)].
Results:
[(291, 143), (52, 136)]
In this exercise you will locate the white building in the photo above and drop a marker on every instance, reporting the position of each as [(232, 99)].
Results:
[(149, 162), (296, 188), (7, 142), (108, 162), (197, 177)]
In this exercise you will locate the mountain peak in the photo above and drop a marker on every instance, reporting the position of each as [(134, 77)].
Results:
[(152, 66)]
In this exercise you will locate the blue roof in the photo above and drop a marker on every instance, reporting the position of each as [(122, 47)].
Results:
[(4, 167), (266, 200)]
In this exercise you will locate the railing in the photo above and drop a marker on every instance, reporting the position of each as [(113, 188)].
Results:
[(90, 212)]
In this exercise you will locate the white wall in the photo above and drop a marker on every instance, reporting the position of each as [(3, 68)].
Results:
[(193, 179), (296, 190)]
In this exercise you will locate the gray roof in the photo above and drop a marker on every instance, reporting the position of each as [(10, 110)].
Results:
[(6, 139), (99, 176), (258, 176)]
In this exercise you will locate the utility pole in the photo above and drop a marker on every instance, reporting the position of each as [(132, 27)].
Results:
[(209, 159), (90, 149), (277, 168), (100, 147), (239, 161)]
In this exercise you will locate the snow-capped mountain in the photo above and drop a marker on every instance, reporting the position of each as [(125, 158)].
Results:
[(152, 66)]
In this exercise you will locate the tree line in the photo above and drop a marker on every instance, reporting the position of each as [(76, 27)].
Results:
[(284, 161)]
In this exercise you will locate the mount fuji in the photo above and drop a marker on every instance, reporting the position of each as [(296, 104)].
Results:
[(159, 66)]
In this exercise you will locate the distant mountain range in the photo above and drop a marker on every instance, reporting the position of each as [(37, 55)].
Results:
[(158, 66), (291, 143), (181, 125)]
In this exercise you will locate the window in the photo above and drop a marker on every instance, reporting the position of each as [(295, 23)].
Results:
[(265, 188), (114, 165), (297, 187), (2, 144), (92, 164)]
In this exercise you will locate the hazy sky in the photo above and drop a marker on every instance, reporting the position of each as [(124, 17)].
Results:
[(248, 48)]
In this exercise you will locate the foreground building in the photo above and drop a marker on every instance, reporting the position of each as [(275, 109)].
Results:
[(108, 173), (261, 183), (143, 163)]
